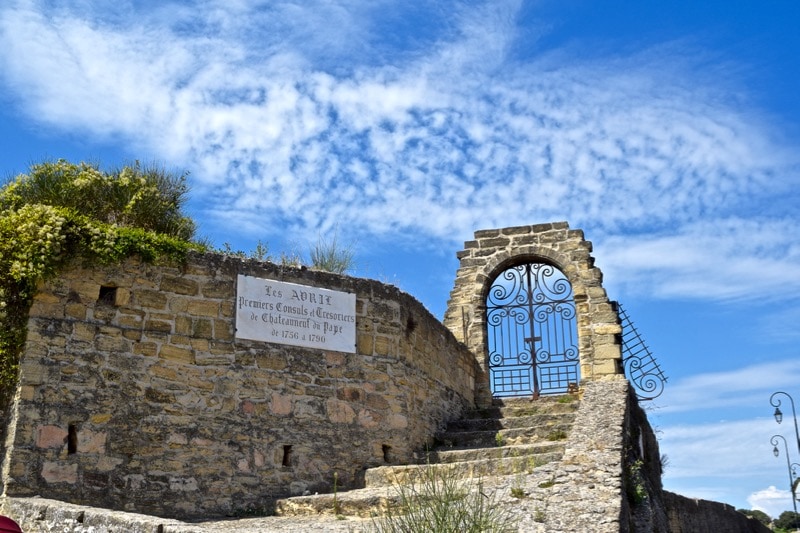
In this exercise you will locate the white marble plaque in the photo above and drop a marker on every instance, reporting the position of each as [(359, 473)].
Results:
[(297, 315)]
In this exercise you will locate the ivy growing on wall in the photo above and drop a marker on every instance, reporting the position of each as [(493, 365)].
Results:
[(60, 212)]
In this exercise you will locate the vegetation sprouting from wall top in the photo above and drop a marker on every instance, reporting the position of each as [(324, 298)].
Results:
[(61, 211)]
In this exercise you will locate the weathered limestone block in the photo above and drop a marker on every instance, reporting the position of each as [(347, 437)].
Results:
[(207, 308), (174, 353), (179, 285), (58, 472), (149, 299), (50, 437)]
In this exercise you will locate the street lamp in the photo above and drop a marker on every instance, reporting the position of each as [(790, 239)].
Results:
[(776, 453), (776, 403)]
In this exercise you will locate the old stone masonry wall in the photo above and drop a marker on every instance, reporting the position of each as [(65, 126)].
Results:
[(137, 394)]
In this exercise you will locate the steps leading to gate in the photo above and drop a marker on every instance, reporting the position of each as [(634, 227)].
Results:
[(513, 437)]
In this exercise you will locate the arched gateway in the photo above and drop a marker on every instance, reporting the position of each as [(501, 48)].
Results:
[(531, 335), (529, 303)]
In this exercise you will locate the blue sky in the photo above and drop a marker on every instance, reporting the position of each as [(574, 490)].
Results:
[(667, 131)]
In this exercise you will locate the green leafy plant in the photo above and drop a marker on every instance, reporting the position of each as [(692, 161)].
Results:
[(517, 490), (442, 501), (331, 255), (60, 212), (547, 484), (558, 434), (499, 439), (259, 253), (635, 483)]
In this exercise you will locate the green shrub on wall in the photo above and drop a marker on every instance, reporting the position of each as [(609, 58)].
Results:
[(62, 211)]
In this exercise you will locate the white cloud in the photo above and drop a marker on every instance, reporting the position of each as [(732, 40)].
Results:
[(294, 118), (732, 258), (725, 461), (771, 500), (730, 389), (717, 428)]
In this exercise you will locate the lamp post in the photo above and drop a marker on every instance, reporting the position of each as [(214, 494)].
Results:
[(776, 403), (796, 480), (776, 452)]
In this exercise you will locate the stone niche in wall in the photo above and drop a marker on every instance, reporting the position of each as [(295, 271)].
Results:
[(137, 392)]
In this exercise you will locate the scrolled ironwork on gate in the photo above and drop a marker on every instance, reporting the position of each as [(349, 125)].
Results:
[(532, 333), (641, 368)]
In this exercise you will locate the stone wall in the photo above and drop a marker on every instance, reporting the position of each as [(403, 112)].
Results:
[(610, 477), (135, 393), (688, 515), (493, 251)]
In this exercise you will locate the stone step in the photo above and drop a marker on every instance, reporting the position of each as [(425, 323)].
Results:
[(510, 409), (474, 469), (372, 502), (557, 431), (455, 455), (513, 438), (486, 424), (360, 502)]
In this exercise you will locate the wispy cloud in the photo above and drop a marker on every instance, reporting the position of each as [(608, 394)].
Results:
[(730, 389), (296, 118), (690, 262), (715, 429), (726, 461)]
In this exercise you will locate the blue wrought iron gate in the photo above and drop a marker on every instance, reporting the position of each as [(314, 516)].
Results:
[(531, 332)]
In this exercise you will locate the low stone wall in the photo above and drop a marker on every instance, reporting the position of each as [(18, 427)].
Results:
[(142, 398), (601, 484), (688, 515)]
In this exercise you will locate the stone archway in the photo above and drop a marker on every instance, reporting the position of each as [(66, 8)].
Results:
[(492, 251)]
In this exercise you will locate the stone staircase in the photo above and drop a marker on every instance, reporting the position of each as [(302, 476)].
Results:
[(512, 437)]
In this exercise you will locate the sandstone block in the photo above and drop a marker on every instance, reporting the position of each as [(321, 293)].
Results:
[(27, 392), (382, 345), (203, 308), (150, 299), (368, 419), (112, 344), (50, 437), (223, 330), (91, 441), (364, 344), (158, 326), (32, 373), (202, 327), (398, 421), (607, 351), (177, 354), (271, 361), (179, 285), (339, 412), (280, 405), (54, 472), (183, 325), (218, 289), (75, 311), (149, 349)]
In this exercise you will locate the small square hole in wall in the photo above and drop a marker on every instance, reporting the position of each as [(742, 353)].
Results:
[(72, 439), (387, 453), (287, 455), (108, 296)]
